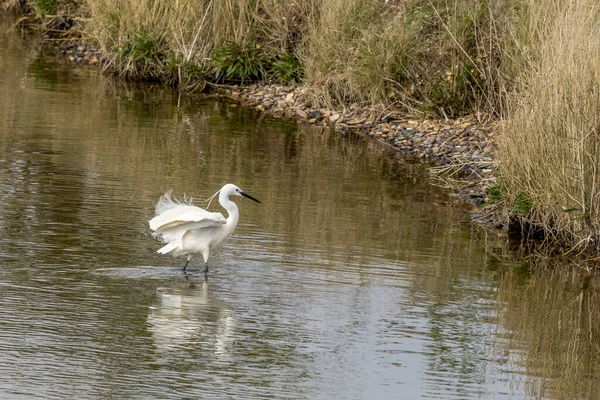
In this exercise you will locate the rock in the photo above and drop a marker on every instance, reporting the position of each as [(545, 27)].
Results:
[(302, 114), (334, 117), (315, 115)]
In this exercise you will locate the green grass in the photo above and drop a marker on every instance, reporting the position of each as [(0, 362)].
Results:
[(286, 69), (142, 55), (45, 7), (239, 62)]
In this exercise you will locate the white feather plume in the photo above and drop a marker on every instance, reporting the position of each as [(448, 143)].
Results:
[(175, 217), (168, 202)]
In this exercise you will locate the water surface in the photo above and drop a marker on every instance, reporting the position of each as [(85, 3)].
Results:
[(354, 279)]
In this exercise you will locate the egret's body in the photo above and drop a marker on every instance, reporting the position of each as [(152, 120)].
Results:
[(189, 230)]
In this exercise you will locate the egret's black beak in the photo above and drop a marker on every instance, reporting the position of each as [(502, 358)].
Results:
[(248, 196)]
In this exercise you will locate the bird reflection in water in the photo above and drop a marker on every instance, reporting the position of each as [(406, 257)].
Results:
[(191, 316)]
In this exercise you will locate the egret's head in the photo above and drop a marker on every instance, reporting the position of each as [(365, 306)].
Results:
[(231, 190)]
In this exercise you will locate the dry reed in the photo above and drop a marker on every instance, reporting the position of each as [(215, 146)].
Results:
[(550, 151), (403, 56)]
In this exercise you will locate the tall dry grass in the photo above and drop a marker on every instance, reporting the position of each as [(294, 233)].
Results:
[(357, 51), (550, 147), (441, 57), (438, 57), (10, 4), (157, 39)]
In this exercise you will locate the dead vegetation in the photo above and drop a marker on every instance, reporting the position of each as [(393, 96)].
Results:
[(550, 147)]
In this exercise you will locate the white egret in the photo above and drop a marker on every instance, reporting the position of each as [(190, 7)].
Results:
[(189, 230)]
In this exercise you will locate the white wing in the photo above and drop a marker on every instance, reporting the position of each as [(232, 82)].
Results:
[(186, 215), (175, 218)]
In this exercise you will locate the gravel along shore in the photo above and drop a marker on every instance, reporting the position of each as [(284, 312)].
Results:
[(460, 151), (80, 54)]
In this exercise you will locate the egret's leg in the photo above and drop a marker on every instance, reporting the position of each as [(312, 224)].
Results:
[(205, 256), (187, 262)]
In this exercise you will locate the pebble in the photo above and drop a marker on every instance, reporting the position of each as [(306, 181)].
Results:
[(302, 114), (80, 54), (315, 115)]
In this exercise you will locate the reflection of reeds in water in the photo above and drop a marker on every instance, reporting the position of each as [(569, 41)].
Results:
[(552, 325)]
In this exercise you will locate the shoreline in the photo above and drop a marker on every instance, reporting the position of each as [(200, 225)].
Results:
[(462, 147), (460, 151)]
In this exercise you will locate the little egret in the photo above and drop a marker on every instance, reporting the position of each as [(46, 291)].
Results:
[(189, 230)]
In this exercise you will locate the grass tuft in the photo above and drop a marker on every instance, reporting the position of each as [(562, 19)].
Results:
[(238, 62), (142, 55), (287, 69), (45, 7)]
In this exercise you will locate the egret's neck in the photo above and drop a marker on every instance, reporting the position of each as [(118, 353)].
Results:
[(233, 213)]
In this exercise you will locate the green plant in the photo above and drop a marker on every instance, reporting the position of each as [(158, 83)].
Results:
[(45, 7), (523, 204), (186, 74), (454, 93), (287, 68), (142, 55), (238, 62), (494, 195)]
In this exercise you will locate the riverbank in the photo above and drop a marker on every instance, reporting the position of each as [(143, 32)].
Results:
[(460, 151)]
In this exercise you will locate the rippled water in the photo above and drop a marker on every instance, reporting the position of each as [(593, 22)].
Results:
[(354, 279)]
